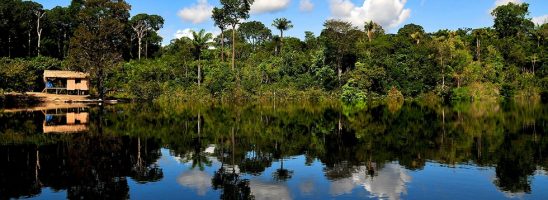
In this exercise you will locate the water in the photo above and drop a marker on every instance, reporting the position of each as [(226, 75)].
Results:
[(292, 151)]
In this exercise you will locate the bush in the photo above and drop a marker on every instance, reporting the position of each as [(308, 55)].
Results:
[(351, 95), (394, 100), (461, 95)]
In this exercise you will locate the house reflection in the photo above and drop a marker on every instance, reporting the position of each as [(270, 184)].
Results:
[(67, 120)]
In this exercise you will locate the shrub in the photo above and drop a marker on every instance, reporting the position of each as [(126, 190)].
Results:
[(351, 95), (394, 100)]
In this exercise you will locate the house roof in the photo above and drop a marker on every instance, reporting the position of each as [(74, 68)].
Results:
[(64, 74)]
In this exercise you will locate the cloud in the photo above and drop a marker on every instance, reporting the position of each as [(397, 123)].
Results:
[(188, 33), (503, 2), (266, 191), (540, 20), (269, 6), (387, 13), (183, 33), (195, 179), (306, 6), (197, 13), (390, 182)]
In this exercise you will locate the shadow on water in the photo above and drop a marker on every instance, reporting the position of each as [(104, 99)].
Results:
[(91, 151)]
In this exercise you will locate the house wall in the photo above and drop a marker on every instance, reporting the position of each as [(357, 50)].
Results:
[(83, 85), (71, 84)]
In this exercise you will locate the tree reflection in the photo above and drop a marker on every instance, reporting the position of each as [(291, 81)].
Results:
[(125, 141)]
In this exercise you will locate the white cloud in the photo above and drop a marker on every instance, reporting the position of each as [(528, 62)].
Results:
[(540, 20), (183, 33), (266, 191), (504, 2), (188, 33), (306, 6), (390, 182), (197, 180), (268, 6), (387, 13), (197, 13)]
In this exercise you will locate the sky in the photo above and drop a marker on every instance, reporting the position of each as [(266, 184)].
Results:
[(181, 16)]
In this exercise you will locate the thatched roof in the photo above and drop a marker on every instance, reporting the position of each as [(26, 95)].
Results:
[(64, 74)]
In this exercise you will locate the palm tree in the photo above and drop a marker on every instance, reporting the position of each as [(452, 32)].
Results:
[(282, 24), (200, 41)]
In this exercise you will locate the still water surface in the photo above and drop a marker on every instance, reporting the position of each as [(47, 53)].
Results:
[(294, 151)]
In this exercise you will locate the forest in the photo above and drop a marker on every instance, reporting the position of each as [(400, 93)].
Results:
[(253, 60)]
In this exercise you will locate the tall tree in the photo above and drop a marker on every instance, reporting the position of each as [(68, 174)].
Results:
[(143, 24), (200, 41), (510, 19), (39, 15), (255, 32), (234, 12), (219, 17), (339, 39), (97, 44), (282, 24)]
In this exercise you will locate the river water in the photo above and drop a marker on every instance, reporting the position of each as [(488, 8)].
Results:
[(284, 151)]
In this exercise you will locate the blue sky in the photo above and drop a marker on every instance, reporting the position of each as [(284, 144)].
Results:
[(309, 15)]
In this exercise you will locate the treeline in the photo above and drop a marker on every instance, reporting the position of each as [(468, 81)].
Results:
[(29, 30), (250, 60)]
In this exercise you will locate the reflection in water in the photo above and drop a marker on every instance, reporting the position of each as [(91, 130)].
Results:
[(243, 152), (267, 191), (196, 179), (72, 120), (389, 183)]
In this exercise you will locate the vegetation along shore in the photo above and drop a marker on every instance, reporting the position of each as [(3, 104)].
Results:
[(253, 60)]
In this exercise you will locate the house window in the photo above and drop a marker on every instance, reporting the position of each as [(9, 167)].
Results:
[(78, 81)]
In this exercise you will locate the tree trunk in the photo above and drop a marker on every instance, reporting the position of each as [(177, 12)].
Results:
[(281, 41), (222, 45), (9, 45), (65, 44), (39, 29), (146, 49), (233, 46), (140, 42), (478, 49), (100, 85), (29, 42), (442, 74), (199, 71)]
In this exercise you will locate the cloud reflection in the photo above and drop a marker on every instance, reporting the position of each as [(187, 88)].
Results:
[(390, 182), (197, 180), (267, 191)]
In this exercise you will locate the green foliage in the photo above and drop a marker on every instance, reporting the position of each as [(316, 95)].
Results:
[(352, 95), (505, 60)]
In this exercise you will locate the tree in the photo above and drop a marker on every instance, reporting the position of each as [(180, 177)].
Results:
[(39, 15), (97, 44), (219, 18), (339, 39), (234, 12), (510, 19), (282, 24), (142, 24), (255, 32), (373, 28), (479, 34), (60, 21), (200, 41)]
